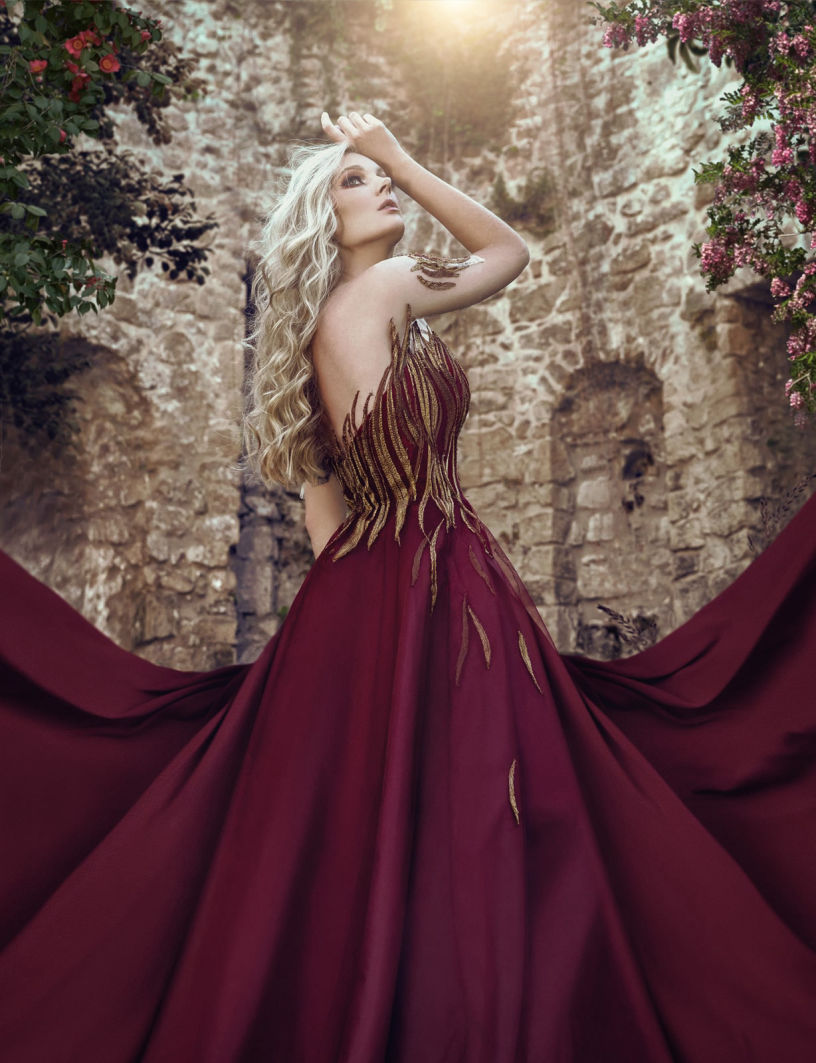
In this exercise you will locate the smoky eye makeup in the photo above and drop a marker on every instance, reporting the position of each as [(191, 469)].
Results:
[(346, 176)]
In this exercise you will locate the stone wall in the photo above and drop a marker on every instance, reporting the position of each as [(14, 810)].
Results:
[(644, 417)]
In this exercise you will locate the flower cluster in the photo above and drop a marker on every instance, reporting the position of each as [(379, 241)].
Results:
[(58, 61), (763, 214)]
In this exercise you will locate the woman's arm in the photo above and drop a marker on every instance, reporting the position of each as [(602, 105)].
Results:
[(503, 254), (474, 226), (325, 511)]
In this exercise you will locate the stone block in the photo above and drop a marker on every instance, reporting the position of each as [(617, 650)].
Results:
[(533, 304), (631, 259), (594, 494), (155, 619), (601, 528), (545, 526), (687, 534)]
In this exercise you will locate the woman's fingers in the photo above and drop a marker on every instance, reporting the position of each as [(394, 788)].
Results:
[(330, 129), (363, 132)]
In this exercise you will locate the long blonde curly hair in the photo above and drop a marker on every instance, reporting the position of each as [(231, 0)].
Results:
[(298, 266)]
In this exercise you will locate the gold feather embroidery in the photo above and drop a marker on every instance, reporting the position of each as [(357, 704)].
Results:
[(467, 611), (526, 657), (478, 566), (511, 785), (419, 407), (485, 641), (433, 267)]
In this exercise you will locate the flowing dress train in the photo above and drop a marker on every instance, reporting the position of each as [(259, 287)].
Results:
[(411, 830)]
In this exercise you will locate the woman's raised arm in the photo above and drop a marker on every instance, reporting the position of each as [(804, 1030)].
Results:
[(498, 253)]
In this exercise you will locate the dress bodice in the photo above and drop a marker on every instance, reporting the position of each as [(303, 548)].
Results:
[(401, 452)]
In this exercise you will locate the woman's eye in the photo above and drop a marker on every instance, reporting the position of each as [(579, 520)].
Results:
[(351, 177)]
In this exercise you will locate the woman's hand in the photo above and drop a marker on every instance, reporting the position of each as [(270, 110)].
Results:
[(365, 134)]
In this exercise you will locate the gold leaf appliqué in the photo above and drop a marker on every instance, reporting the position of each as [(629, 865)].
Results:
[(485, 641), (526, 658), (511, 786), (403, 449)]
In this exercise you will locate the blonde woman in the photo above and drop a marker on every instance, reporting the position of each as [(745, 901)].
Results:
[(411, 830)]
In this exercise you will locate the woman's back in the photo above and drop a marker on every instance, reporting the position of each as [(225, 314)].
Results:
[(351, 347)]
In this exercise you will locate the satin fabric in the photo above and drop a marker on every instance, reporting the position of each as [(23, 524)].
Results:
[(414, 833)]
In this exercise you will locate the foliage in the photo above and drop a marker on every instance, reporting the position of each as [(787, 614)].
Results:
[(63, 65), (639, 632), (763, 213), (34, 370), (774, 518), (534, 210)]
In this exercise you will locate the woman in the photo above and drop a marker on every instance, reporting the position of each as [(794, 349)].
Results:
[(411, 830)]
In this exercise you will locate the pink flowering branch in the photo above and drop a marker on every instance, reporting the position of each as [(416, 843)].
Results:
[(765, 190)]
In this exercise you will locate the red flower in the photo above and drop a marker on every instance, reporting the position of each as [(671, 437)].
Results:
[(64, 242), (72, 66), (36, 65), (108, 64), (145, 34), (90, 36), (62, 135), (77, 85), (75, 46)]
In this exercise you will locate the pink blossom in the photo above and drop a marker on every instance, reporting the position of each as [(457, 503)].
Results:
[(803, 211), (645, 30), (796, 347), (801, 45), (615, 36), (779, 289)]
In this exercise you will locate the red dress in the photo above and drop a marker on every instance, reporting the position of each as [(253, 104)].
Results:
[(411, 831)]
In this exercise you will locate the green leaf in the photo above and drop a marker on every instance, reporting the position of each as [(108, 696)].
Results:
[(688, 59), (35, 210), (17, 210)]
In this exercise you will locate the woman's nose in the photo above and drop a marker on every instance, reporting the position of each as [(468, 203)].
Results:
[(386, 185)]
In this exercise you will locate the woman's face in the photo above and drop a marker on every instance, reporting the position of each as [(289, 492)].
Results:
[(365, 204)]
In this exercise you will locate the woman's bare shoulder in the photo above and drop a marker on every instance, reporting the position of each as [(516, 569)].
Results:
[(353, 326)]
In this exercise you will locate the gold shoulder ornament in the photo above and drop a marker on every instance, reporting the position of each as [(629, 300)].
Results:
[(431, 269)]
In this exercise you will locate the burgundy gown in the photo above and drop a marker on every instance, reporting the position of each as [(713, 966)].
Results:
[(412, 831)]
